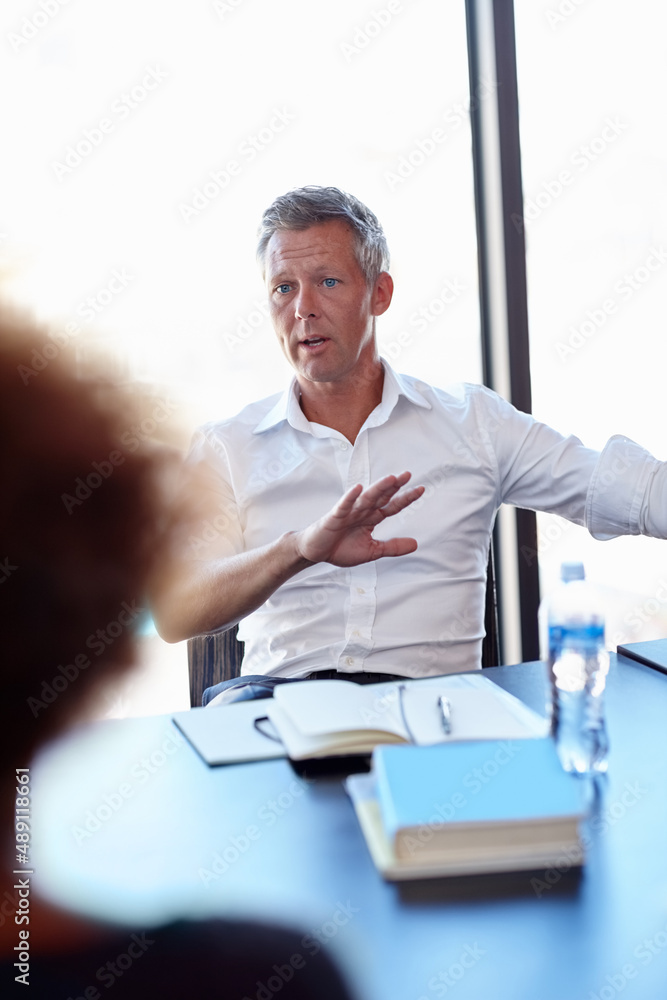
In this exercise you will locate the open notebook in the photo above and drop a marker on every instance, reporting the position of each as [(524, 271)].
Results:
[(334, 717)]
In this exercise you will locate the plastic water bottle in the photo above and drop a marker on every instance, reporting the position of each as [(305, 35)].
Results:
[(578, 667)]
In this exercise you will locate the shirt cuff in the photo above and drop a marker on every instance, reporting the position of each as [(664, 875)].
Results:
[(628, 492)]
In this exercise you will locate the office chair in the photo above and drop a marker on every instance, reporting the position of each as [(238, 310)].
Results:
[(211, 659), (215, 658)]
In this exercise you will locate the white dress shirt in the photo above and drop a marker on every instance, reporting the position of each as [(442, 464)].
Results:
[(269, 470)]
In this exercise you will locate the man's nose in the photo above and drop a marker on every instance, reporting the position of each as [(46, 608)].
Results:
[(305, 305)]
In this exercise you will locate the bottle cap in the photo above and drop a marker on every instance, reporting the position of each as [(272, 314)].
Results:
[(572, 571)]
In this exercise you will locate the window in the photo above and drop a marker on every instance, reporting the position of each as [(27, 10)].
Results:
[(148, 138), (591, 80)]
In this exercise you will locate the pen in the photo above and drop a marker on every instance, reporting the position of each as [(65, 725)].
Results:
[(445, 713)]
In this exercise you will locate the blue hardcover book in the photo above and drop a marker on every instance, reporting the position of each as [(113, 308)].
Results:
[(487, 804)]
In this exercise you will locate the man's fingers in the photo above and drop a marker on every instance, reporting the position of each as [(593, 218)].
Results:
[(348, 500), (403, 500), (398, 547), (380, 492), (378, 495), (370, 506)]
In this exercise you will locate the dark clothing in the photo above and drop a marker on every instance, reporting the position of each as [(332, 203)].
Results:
[(208, 960), (254, 686)]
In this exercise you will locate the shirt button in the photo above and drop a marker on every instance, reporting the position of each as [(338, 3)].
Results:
[(356, 633), (342, 445), (349, 661), (360, 590)]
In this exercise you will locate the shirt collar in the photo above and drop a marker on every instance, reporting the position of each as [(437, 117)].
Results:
[(287, 407), (396, 385)]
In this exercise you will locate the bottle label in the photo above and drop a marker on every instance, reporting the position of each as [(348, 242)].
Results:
[(588, 636)]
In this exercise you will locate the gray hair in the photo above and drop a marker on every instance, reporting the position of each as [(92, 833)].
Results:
[(308, 206)]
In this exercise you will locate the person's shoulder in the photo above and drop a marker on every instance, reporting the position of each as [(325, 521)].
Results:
[(230, 435), (452, 394), (458, 403), (243, 422)]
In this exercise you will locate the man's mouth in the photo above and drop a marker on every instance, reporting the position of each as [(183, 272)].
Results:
[(313, 341)]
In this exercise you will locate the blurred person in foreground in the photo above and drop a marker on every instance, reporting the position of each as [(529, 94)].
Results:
[(68, 566)]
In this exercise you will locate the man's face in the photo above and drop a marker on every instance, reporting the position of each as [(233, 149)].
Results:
[(321, 306)]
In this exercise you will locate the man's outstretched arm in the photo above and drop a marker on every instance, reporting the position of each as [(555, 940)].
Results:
[(194, 598)]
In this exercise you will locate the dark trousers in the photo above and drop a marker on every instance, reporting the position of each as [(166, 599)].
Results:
[(253, 686)]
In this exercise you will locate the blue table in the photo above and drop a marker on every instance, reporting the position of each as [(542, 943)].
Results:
[(131, 825)]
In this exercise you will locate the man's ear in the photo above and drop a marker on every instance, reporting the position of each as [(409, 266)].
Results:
[(382, 293)]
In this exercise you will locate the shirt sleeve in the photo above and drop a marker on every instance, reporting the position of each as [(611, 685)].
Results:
[(628, 492), (215, 530), (619, 491), (537, 467)]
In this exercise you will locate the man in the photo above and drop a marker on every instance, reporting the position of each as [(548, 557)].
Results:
[(314, 591)]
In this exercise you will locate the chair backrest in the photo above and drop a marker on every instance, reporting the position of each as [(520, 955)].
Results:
[(491, 642), (211, 659), (217, 657)]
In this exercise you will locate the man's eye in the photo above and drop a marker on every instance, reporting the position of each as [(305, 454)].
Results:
[(284, 288), (330, 282)]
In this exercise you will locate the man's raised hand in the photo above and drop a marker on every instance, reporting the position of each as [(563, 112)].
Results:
[(344, 536)]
